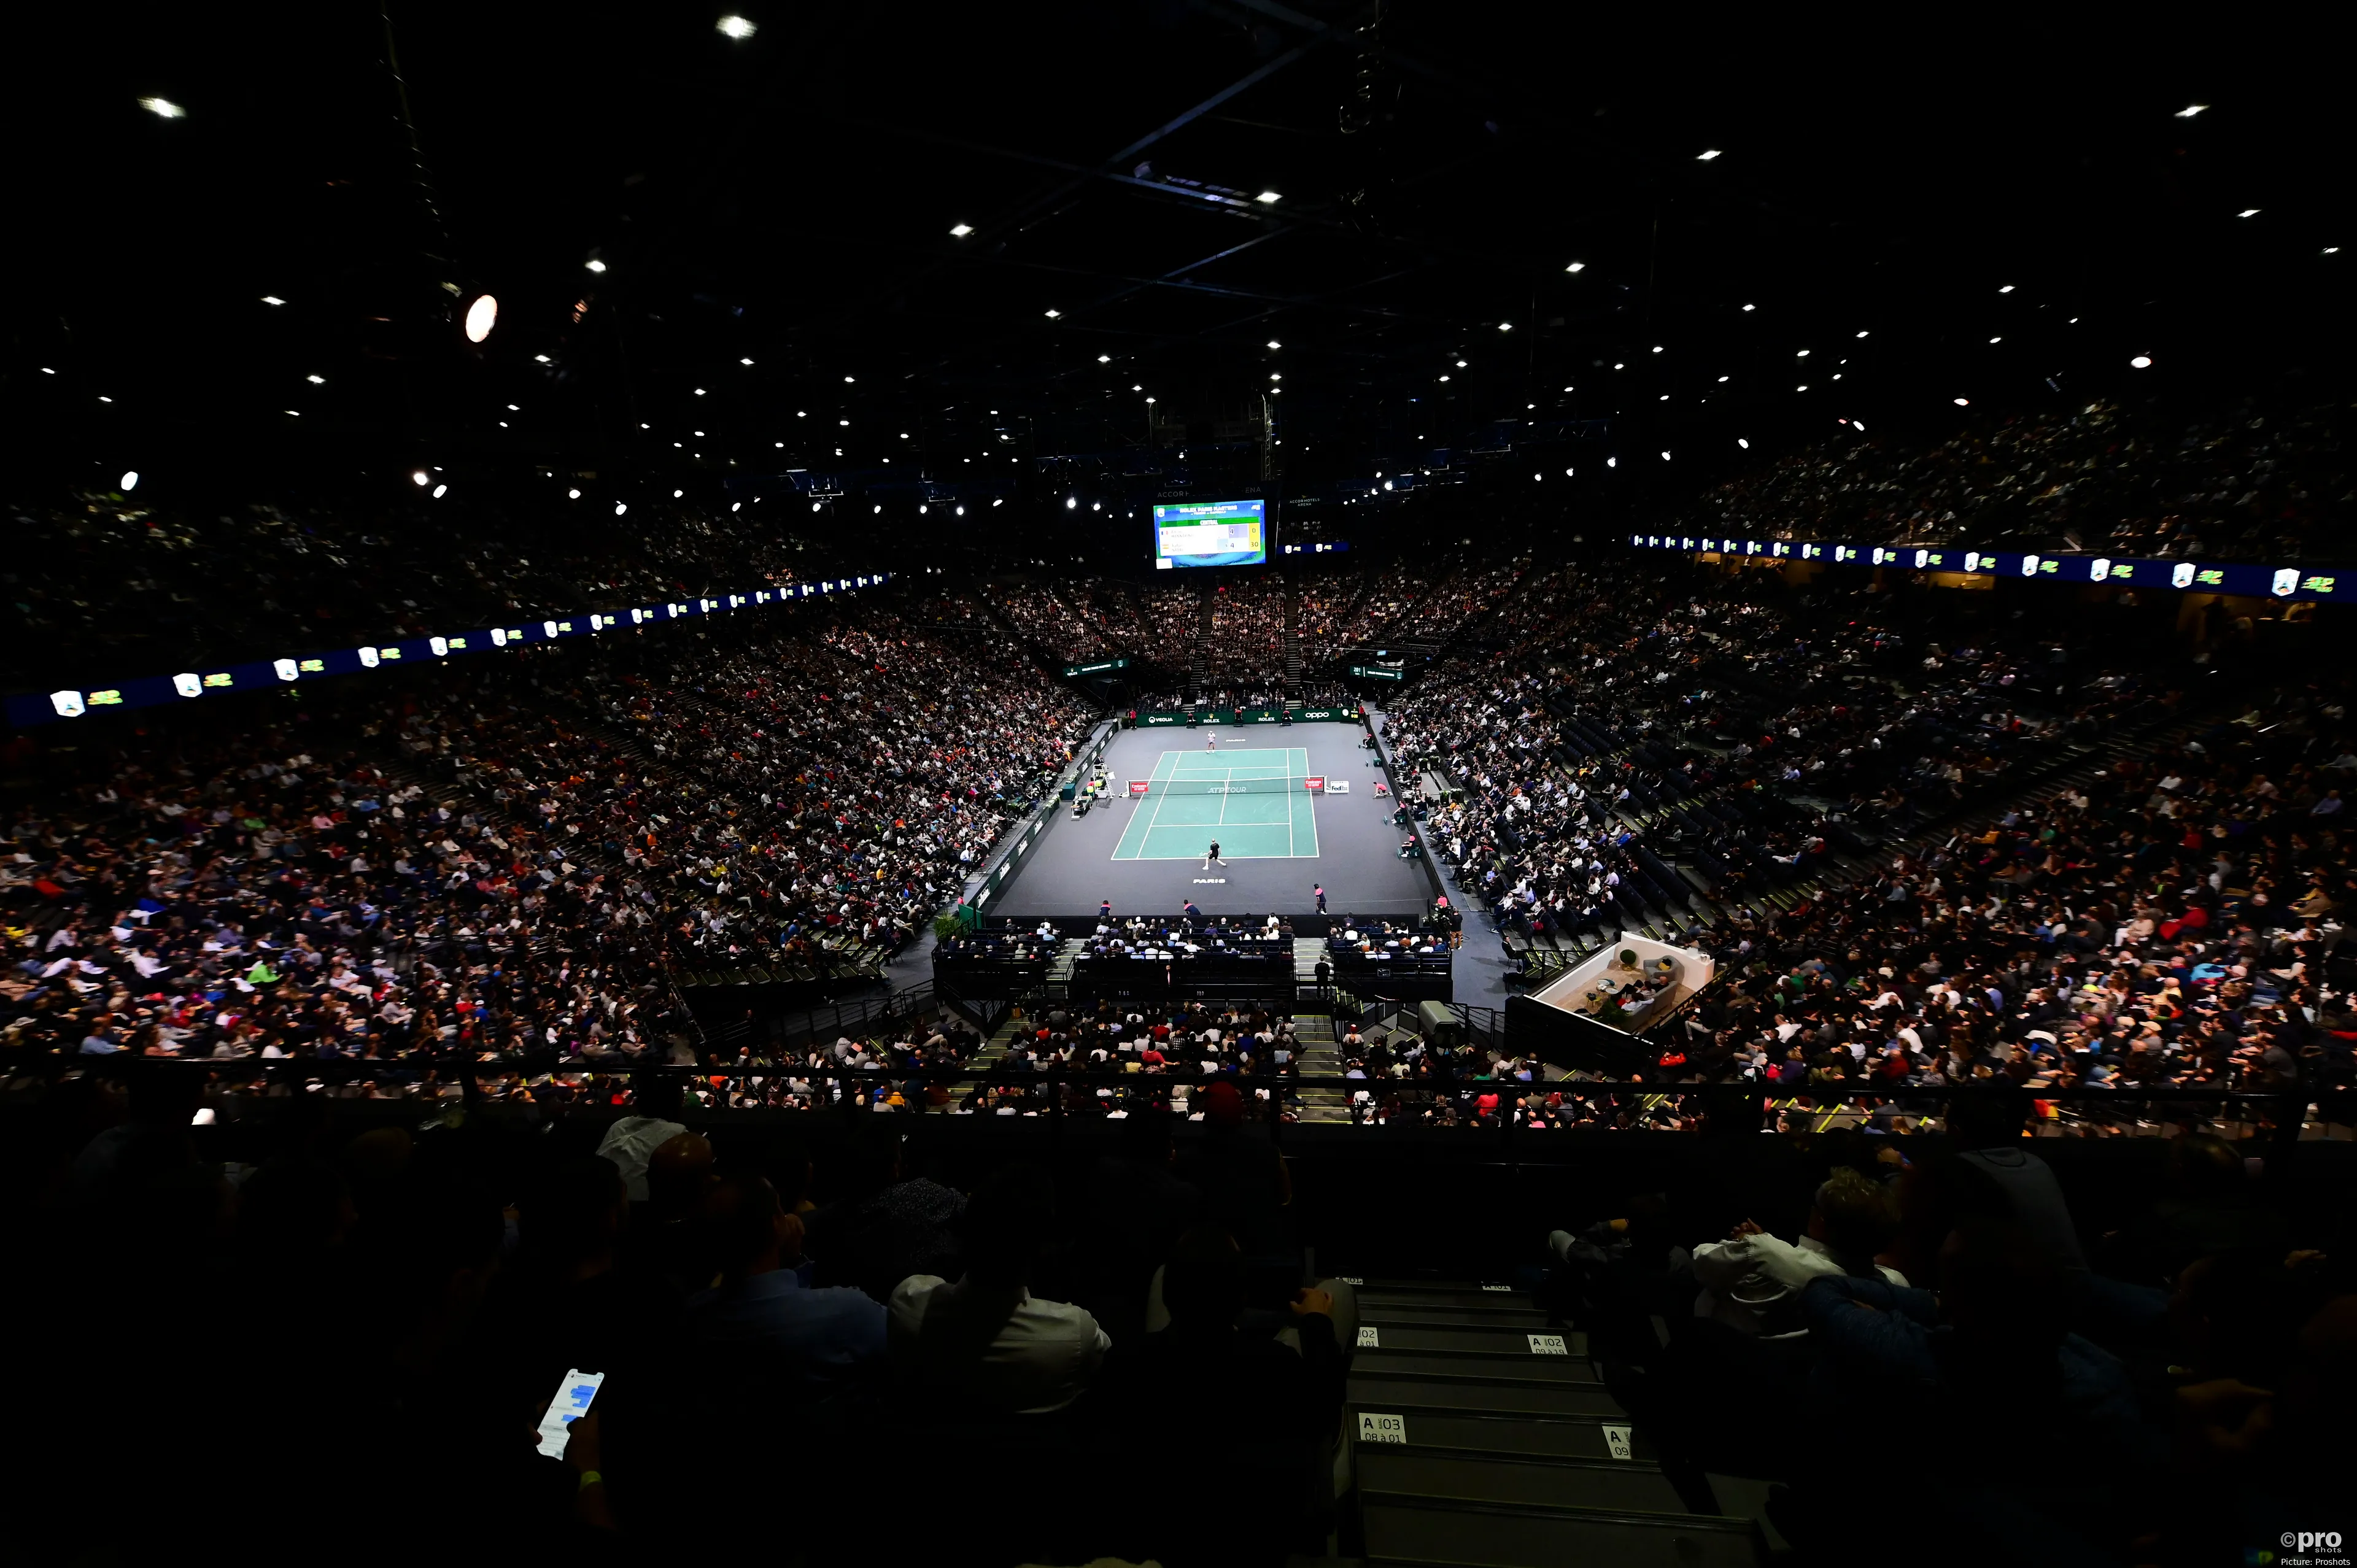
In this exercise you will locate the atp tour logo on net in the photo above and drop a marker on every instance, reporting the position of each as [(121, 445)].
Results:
[(2306, 1549)]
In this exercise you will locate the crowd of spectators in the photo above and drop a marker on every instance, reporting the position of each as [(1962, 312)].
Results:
[(106, 582), (519, 859), (2240, 484), (2187, 1345)]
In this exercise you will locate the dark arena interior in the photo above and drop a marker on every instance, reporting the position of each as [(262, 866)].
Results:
[(630, 632)]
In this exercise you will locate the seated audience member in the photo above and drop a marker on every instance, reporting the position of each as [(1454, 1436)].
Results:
[(1241, 1423), (984, 1344), (773, 1342), (1752, 1281), (887, 1225), (653, 1120)]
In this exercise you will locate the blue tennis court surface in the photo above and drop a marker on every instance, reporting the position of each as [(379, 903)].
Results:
[(1280, 823)]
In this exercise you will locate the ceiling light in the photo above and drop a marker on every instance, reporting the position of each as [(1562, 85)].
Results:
[(1861, 334), (844, 423), (1750, 308), (960, 230), (1857, 424), (2331, 250), (540, 359), (1722, 377), (1000, 501), (1576, 267), (1444, 378), (1276, 375), (846, 380), (621, 506), (2007, 289), (1705, 157), (1996, 339), (1657, 349), (1802, 354), (512, 409), (676, 494), (1801, 388), (317, 380), (1505, 326), (1149, 400), (2190, 111), (441, 491), (2142, 362), (1740, 440), (2248, 212), (420, 476), (272, 299), (1566, 473), (129, 481), (573, 495), (1104, 359), (744, 361), (737, 27), (1963, 402), (1071, 503), (1274, 344), (699, 392), (1665, 457), (1460, 364), (1055, 314), (1535, 479), (595, 266), (1268, 198), (163, 108)]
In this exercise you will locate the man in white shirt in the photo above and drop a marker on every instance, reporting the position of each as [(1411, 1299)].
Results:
[(985, 1342), (630, 1142), (1752, 1281)]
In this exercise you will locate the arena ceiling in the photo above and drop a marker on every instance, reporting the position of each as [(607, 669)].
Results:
[(934, 250)]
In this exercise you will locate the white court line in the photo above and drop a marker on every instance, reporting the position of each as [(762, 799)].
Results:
[(1158, 799)]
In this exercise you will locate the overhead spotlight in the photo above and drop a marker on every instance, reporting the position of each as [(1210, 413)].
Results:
[(1274, 344), (2007, 289), (1665, 457), (1566, 473), (1071, 503), (621, 506), (2248, 212), (1861, 334), (1750, 308), (879, 511), (1801, 355), (441, 491), (421, 477), (129, 481), (1104, 359), (1996, 339), (1505, 326), (960, 230), (1963, 402), (960, 512), (1535, 479), (1740, 440), (1149, 400), (595, 266), (573, 495), (483, 314), (540, 359), (737, 27), (1576, 267), (744, 361), (272, 299), (1705, 157), (1096, 506), (1859, 425), (740, 505), (814, 506), (1268, 198), (2142, 362), (699, 392), (163, 109), (317, 380), (2190, 111), (1000, 501), (1055, 315), (1611, 462)]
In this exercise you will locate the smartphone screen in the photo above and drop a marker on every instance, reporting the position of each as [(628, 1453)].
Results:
[(571, 1403)]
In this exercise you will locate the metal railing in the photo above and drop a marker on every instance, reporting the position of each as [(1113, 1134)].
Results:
[(1059, 1093)]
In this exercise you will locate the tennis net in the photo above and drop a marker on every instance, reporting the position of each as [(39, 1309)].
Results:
[(1280, 786)]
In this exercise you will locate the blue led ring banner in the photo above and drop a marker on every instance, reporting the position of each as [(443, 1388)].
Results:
[(2320, 583), (41, 708)]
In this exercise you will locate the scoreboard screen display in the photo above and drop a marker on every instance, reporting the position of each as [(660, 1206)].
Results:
[(1210, 534)]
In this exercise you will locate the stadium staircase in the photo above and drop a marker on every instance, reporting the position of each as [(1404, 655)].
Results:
[(1198, 660), (1481, 1432), (1291, 647)]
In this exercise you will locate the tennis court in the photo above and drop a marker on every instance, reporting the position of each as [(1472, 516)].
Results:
[(1252, 801)]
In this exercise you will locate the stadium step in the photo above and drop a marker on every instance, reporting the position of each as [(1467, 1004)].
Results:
[(1416, 1529), (1481, 1436)]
